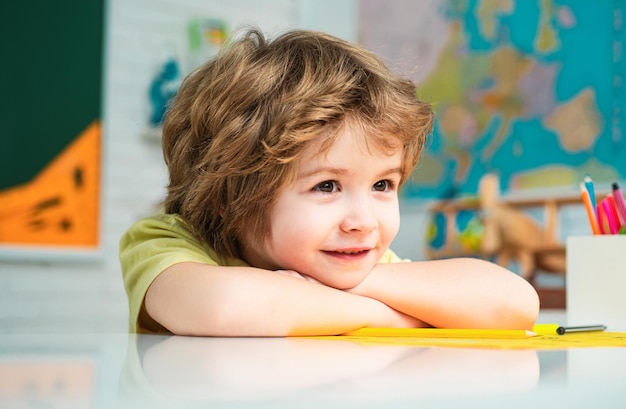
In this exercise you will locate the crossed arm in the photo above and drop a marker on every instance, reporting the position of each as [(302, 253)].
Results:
[(197, 299)]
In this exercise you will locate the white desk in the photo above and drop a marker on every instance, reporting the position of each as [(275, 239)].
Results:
[(129, 371)]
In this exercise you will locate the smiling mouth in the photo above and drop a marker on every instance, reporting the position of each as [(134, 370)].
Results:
[(348, 254)]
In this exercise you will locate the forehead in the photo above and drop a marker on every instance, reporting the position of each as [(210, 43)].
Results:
[(350, 147), (352, 136)]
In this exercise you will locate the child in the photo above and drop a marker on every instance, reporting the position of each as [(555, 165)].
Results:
[(285, 159)]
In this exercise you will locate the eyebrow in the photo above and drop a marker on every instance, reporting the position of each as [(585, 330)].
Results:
[(341, 172), (323, 169)]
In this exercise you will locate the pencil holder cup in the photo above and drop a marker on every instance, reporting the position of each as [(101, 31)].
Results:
[(596, 281)]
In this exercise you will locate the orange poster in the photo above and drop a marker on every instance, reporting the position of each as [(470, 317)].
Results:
[(60, 207)]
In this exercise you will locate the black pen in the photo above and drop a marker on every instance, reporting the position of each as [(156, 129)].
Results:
[(583, 328)]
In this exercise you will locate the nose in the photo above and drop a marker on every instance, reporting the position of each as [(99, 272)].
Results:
[(359, 215)]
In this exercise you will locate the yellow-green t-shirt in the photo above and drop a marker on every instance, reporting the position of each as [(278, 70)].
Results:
[(155, 243)]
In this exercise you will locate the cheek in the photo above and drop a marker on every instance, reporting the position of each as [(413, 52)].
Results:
[(293, 229), (390, 223), (296, 220), (395, 226)]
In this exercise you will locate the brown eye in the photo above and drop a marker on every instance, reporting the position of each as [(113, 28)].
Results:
[(328, 186), (382, 186)]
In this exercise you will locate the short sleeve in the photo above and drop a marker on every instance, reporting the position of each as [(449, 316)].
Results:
[(391, 257), (149, 247)]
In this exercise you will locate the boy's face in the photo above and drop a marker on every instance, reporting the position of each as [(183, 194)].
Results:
[(339, 216)]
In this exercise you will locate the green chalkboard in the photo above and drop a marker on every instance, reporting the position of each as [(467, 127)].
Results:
[(50, 78)]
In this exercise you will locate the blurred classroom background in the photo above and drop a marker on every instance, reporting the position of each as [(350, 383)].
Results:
[(528, 95)]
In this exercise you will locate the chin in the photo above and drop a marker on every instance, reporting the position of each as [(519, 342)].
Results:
[(343, 282)]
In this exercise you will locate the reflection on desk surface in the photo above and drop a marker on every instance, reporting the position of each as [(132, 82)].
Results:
[(137, 371)]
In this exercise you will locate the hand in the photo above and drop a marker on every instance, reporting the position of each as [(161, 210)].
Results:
[(396, 319), (390, 318)]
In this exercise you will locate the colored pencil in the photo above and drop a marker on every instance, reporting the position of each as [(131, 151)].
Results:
[(613, 224), (556, 329), (591, 190), (442, 333), (614, 211), (619, 201), (590, 208), (603, 225)]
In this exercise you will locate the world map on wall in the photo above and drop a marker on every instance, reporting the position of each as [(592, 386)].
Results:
[(531, 90)]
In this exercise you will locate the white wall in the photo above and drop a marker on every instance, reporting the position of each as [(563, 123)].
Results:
[(89, 296)]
